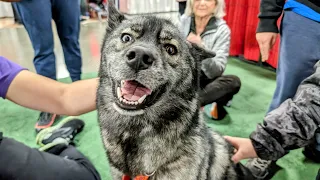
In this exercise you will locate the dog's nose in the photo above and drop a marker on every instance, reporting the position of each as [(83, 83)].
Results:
[(140, 58)]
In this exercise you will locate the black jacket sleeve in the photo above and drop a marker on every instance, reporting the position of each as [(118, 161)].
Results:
[(293, 124), (270, 11)]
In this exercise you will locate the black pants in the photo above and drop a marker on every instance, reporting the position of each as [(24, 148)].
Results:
[(219, 90), (20, 162), (182, 7)]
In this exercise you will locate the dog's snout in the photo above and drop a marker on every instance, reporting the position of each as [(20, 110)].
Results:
[(140, 58)]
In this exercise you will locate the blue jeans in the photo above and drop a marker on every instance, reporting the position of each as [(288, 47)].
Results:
[(36, 16), (299, 52)]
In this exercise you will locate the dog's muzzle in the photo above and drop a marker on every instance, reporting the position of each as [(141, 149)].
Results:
[(140, 58)]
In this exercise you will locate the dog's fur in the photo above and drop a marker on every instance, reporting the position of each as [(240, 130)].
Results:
[(167, 137)]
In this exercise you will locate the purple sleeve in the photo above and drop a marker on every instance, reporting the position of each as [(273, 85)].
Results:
[(8, 71)]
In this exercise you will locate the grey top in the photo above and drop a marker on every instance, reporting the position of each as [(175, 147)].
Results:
[(217, 40)]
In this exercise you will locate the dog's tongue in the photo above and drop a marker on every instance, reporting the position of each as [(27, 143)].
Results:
[(133, 91)]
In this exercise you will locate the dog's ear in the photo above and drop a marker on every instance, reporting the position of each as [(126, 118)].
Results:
[(199, 53), (114, 17)]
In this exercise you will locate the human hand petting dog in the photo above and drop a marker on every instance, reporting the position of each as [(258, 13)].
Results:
[(244, 148), (194, 39)]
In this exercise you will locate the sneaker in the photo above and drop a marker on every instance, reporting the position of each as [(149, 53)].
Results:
[(262, 169), (62, 133), (45, 120), (214, 111)]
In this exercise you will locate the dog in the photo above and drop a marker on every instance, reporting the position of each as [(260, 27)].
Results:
[(148, 105)]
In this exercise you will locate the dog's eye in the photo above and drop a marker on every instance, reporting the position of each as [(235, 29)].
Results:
[(126, 38), (171, 49)]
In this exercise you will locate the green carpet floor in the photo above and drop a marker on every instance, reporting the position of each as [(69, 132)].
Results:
[(248, 109)]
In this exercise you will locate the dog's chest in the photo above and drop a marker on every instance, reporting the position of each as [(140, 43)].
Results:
[(134, 150)]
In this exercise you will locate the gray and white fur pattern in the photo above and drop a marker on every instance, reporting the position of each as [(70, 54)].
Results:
[(167, 138)]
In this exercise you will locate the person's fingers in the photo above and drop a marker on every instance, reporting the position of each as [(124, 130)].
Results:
[(273, 41), (191, 35), (191, 38), (266, 40), (233, 141), (237, 157), (264, 49)]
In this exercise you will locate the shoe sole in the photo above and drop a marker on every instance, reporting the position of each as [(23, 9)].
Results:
[(50, 145), (211, 111), (46, 131), (41, 127)]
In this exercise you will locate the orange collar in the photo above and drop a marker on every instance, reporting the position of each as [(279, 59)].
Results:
[(140, 177)]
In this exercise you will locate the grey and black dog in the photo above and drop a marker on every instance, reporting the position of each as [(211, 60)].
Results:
[(148, 108)]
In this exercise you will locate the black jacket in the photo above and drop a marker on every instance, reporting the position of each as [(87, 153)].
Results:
[(293, 124), (271, 10)]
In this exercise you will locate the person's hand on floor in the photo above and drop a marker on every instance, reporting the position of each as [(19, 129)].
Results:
[(244, 148)]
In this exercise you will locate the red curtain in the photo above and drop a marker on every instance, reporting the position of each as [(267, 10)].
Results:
[(242, 18)]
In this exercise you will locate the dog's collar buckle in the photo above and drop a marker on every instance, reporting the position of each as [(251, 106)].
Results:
[(140, 177)]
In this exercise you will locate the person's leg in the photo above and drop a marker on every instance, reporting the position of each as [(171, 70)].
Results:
[(19, 162), (299, 52), (66, 15), (216, 93), (182, 7), (220, 90), (84, 7), (15, 14), (36, 18)]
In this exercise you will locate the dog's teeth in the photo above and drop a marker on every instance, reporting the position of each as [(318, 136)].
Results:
[(136, 103), (121, 99), (122, 83), (142, 99), (119, 92)]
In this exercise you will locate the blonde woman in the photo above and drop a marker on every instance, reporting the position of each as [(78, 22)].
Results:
[(202, 24)]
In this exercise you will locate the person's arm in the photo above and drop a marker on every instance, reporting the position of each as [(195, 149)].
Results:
[(290, 126), (215, 66), (267, 31), (270, 11), (40, 93), (293, 124)]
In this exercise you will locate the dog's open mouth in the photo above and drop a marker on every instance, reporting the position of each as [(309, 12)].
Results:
[(132, 95)]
